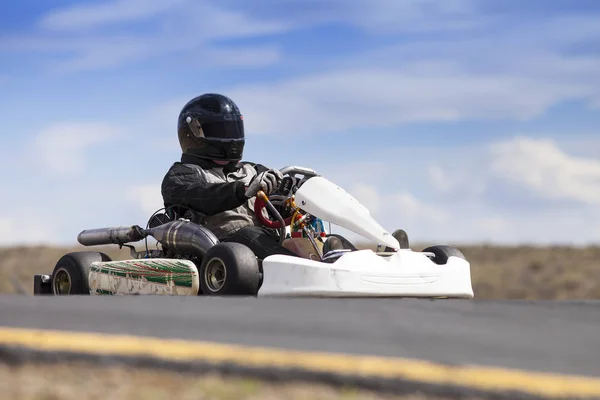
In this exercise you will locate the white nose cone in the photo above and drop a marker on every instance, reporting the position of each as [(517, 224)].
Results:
[(326, 200)]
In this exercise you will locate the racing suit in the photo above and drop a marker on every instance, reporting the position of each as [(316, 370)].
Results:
[(215, 198)]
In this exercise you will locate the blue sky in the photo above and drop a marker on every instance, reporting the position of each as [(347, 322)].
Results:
[(458, 120)]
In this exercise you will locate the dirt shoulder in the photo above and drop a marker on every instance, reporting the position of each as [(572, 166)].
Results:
[(76, 381)]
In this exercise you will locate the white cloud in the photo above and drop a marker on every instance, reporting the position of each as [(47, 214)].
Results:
[(395, 210), (386, 16), (546, 226), (375, 16), (541, 166), (87, 16), (439, 222), (395, 201), (368, 196), (476, 203), (513, 71), (503, 74), (61, 149), (110, 52), (396, 206), (408, 208), (377, 98), (24, 230), (460, 179), (146, 198), (440, 179), (248, 56), (176, 30)]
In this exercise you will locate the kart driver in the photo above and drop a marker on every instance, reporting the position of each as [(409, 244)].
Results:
[(211, 186)]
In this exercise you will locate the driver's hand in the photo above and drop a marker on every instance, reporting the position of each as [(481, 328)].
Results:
[(267, 181)]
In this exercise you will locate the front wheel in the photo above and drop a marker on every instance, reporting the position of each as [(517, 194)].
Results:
[(229, 268), (442, 253)]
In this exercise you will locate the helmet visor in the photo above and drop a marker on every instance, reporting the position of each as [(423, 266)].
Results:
[(226, 130)]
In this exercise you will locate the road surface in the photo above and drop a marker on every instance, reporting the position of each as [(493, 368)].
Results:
[(558, 337)]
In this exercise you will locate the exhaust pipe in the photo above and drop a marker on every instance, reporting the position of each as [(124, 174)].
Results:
[(112, 235), (182, 237)]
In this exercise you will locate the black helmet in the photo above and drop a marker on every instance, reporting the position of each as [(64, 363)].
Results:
[(211, 127)]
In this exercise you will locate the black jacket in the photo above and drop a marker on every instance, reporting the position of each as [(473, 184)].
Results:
[(214, 193)]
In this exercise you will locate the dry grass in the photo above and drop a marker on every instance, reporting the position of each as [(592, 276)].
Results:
[(523, 272), (23, 262), (529, 273), (85, 381)]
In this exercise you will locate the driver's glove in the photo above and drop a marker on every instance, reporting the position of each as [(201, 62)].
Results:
[(267, 181)]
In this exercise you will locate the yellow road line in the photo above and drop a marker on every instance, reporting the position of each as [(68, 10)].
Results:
[(483, 378)]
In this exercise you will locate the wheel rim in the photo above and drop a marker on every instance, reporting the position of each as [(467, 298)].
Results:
[(215, 275), (62, 282)]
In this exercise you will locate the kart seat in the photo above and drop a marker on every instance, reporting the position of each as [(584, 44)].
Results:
[(159, 219), (173, 213)]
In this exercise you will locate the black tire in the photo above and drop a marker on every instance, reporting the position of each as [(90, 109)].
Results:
[(442, 253), (75, 267), (402, 237), (234, 269)]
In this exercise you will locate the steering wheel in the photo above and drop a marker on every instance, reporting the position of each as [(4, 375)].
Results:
[(289, 185), (261, 203)]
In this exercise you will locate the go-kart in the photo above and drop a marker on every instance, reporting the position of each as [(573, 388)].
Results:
[(190, 260)]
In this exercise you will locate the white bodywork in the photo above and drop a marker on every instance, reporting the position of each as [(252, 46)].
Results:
[(363, 273)]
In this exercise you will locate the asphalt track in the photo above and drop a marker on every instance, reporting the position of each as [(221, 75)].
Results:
[(539, 337)]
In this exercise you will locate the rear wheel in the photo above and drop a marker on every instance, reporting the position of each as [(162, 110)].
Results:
[(229, 268), (442, 253), (70, 275)]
